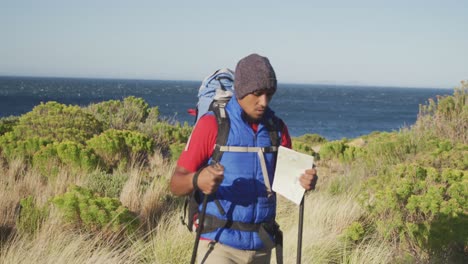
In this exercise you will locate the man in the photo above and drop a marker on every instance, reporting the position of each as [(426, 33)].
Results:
[(241, 207)]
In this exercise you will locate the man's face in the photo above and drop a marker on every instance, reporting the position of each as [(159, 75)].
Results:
[(255, 104)]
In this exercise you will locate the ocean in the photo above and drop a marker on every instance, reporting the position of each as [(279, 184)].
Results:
[(332, 111)]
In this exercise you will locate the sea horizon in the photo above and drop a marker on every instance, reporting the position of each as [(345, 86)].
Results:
[(324, 83), (332, 111)]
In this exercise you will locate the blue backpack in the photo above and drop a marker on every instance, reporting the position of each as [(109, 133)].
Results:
[(216, 88)]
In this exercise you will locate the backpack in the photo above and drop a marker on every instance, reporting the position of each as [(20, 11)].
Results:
[(214, 93), (215, 87)]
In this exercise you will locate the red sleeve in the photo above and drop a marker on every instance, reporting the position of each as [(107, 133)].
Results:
[(200, 145), (285, 137)]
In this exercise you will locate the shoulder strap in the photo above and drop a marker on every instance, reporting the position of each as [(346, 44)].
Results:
[(224, 124), (274, 127)]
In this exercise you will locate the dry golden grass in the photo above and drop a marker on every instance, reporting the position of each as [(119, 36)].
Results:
[(325, 218), (162, 238), (55, 244)]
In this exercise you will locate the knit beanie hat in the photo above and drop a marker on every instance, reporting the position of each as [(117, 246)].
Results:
[(253, 73)]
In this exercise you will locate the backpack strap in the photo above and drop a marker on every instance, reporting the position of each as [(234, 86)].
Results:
[(274, 126), (224, 125)]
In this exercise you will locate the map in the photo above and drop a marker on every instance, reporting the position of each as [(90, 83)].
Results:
[(289, 167)]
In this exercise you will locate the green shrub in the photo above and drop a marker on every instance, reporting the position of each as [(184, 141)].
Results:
[(77, 156), (80, 207), (71, 155), (332, 150), (12, 147), (305, 143), (151, 120), (53, 121), (121, 115), (420, 206), (354, 232), (7, 124), (340, 150), (303, 147), (46, 161), (167, 133), (337, 186), (106, 184), (170, 138), (390, 148), (456, 157), (351, 153), (116, 147), (311, 139), (176, 149), (31, 216), (447, 117)]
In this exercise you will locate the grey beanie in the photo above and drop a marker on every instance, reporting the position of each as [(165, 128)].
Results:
[(253, 73)]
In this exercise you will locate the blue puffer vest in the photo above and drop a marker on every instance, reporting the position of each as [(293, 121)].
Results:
[(242, 194)]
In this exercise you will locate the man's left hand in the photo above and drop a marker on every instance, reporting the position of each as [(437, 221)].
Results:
[(309, 179)]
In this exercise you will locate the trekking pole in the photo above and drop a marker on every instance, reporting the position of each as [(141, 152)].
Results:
[(201, 220), (299, 231), (199, 229)]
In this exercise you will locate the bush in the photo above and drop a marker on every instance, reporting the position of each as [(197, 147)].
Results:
[(303, 147), (176, 149), (305, 143), (121, 115), (340, 150), (46, 161), (420, 206), (151, 120), (447, 117), (167, 133), (117, 147), (7, 124), (354, 232), (311, 139), (11, 147), (31, 216), (106, 184), (170, 139), (72, 155), (389, 148), (332, 150), (80, 207), (445, 154), (53, 121)]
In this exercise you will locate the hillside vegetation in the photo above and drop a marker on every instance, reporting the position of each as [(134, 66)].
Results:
[(90, 185)]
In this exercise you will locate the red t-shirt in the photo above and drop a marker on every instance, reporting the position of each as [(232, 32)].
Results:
[(201, 143)]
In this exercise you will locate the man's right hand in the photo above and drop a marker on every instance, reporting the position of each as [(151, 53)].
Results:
[(210, 178)]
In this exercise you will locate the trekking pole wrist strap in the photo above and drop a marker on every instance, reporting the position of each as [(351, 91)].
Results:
[(195, 179)]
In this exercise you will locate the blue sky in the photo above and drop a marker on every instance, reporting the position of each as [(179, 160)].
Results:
[(389, 43)]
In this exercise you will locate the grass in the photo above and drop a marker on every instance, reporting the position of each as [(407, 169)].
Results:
[(162, 238)]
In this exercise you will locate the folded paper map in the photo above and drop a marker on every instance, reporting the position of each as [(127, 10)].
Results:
[(289, 167)]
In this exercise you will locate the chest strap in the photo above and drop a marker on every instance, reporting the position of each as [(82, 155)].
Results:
[(259, 151)]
